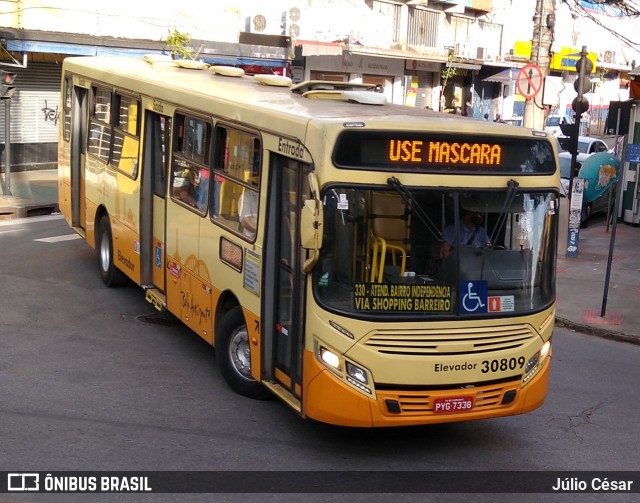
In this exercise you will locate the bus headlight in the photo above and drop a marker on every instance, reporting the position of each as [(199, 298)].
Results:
[(357, 377), (545, 349), (357, 373), (532, 363), (329, 358), (536, 361)]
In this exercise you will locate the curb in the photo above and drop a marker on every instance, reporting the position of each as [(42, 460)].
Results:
[(23, 210), (597, 331)]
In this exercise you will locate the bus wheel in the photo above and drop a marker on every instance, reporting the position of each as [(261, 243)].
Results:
[(234, 358), (110, 274)]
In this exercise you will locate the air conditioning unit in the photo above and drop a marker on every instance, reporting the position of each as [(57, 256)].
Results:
[(481, 53), (609, 56), (461, 50), (265, 23), (293, 25)]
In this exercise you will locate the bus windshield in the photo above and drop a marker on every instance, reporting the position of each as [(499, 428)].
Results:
[(437, 253)]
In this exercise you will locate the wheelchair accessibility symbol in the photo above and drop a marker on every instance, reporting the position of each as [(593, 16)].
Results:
[(473, 296)]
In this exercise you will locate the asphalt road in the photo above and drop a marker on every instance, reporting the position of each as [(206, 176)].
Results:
[(88, 383)]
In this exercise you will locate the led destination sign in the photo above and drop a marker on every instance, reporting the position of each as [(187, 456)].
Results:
[(445, 152), (437, 153)]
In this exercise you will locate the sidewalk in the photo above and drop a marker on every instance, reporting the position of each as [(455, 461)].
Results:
[(33, 193), (580, 281)]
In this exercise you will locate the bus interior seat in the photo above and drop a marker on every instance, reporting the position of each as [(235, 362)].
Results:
[(389, 228)]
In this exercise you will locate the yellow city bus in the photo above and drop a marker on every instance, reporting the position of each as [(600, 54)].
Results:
[(319, 238)]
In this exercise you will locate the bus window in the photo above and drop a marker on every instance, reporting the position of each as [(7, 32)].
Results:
[(158, 130), (68, 93), (502, 253), (125, 135), (237, 180), (191, 174), (99, 141)]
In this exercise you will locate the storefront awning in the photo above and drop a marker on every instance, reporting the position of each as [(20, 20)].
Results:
[(99, 50), (317, 48), (464, 66), (74, 49), (242, 61), (504, 77), (612, 66)]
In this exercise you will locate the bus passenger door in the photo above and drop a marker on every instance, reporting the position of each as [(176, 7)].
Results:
[(284, 298), (78, 157), (155, 162)]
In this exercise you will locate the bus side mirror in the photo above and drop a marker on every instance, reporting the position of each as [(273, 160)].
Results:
[(309, 226), (311, 230)]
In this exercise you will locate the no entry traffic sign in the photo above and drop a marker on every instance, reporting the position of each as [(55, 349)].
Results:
[(529, 80)]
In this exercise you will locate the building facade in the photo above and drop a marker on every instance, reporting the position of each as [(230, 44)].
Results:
[(459, 56)]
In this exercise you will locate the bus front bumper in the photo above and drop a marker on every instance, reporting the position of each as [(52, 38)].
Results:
[(328, 399)]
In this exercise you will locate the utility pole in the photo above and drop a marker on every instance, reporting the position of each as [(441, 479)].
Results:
[(6, 91), (543, 24)]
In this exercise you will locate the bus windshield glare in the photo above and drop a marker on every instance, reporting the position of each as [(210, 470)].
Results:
[(437, 253)]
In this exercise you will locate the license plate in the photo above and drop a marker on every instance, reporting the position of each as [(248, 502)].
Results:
[(452, 405)]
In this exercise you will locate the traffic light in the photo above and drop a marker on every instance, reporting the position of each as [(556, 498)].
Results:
[(6, 84), (582, 84)]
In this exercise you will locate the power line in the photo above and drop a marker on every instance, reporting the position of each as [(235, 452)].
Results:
[(618, 7), (628, 7)]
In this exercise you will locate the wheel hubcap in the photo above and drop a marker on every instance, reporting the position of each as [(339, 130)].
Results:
[(105, 253), (240, 353)]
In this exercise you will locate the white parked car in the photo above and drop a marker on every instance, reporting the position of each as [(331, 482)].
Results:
[(552, 124), (587, 145)]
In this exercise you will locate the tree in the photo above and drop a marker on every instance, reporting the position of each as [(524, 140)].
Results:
[(179, 45), (447, 73)]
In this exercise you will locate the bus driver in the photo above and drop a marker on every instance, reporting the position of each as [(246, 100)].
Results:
[(472, 233)]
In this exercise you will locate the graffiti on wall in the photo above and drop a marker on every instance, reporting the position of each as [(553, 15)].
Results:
[(50, 114)]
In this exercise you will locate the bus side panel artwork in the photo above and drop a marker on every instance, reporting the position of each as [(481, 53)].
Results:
[(126, 249), (173, 273), (118, 196), (196, 305), (123, 201), (94, 196), (182, 239)]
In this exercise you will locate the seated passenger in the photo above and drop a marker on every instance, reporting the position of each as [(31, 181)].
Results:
[(472, 233), (248, 212), (184, 189)]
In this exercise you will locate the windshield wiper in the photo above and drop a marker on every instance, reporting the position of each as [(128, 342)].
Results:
[(512, 189), (414, 206)]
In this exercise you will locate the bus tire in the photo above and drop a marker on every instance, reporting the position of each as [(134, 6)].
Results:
[(232, 354), (110, 274)]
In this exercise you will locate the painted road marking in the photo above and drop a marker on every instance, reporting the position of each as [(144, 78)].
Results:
[(57, 239)]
